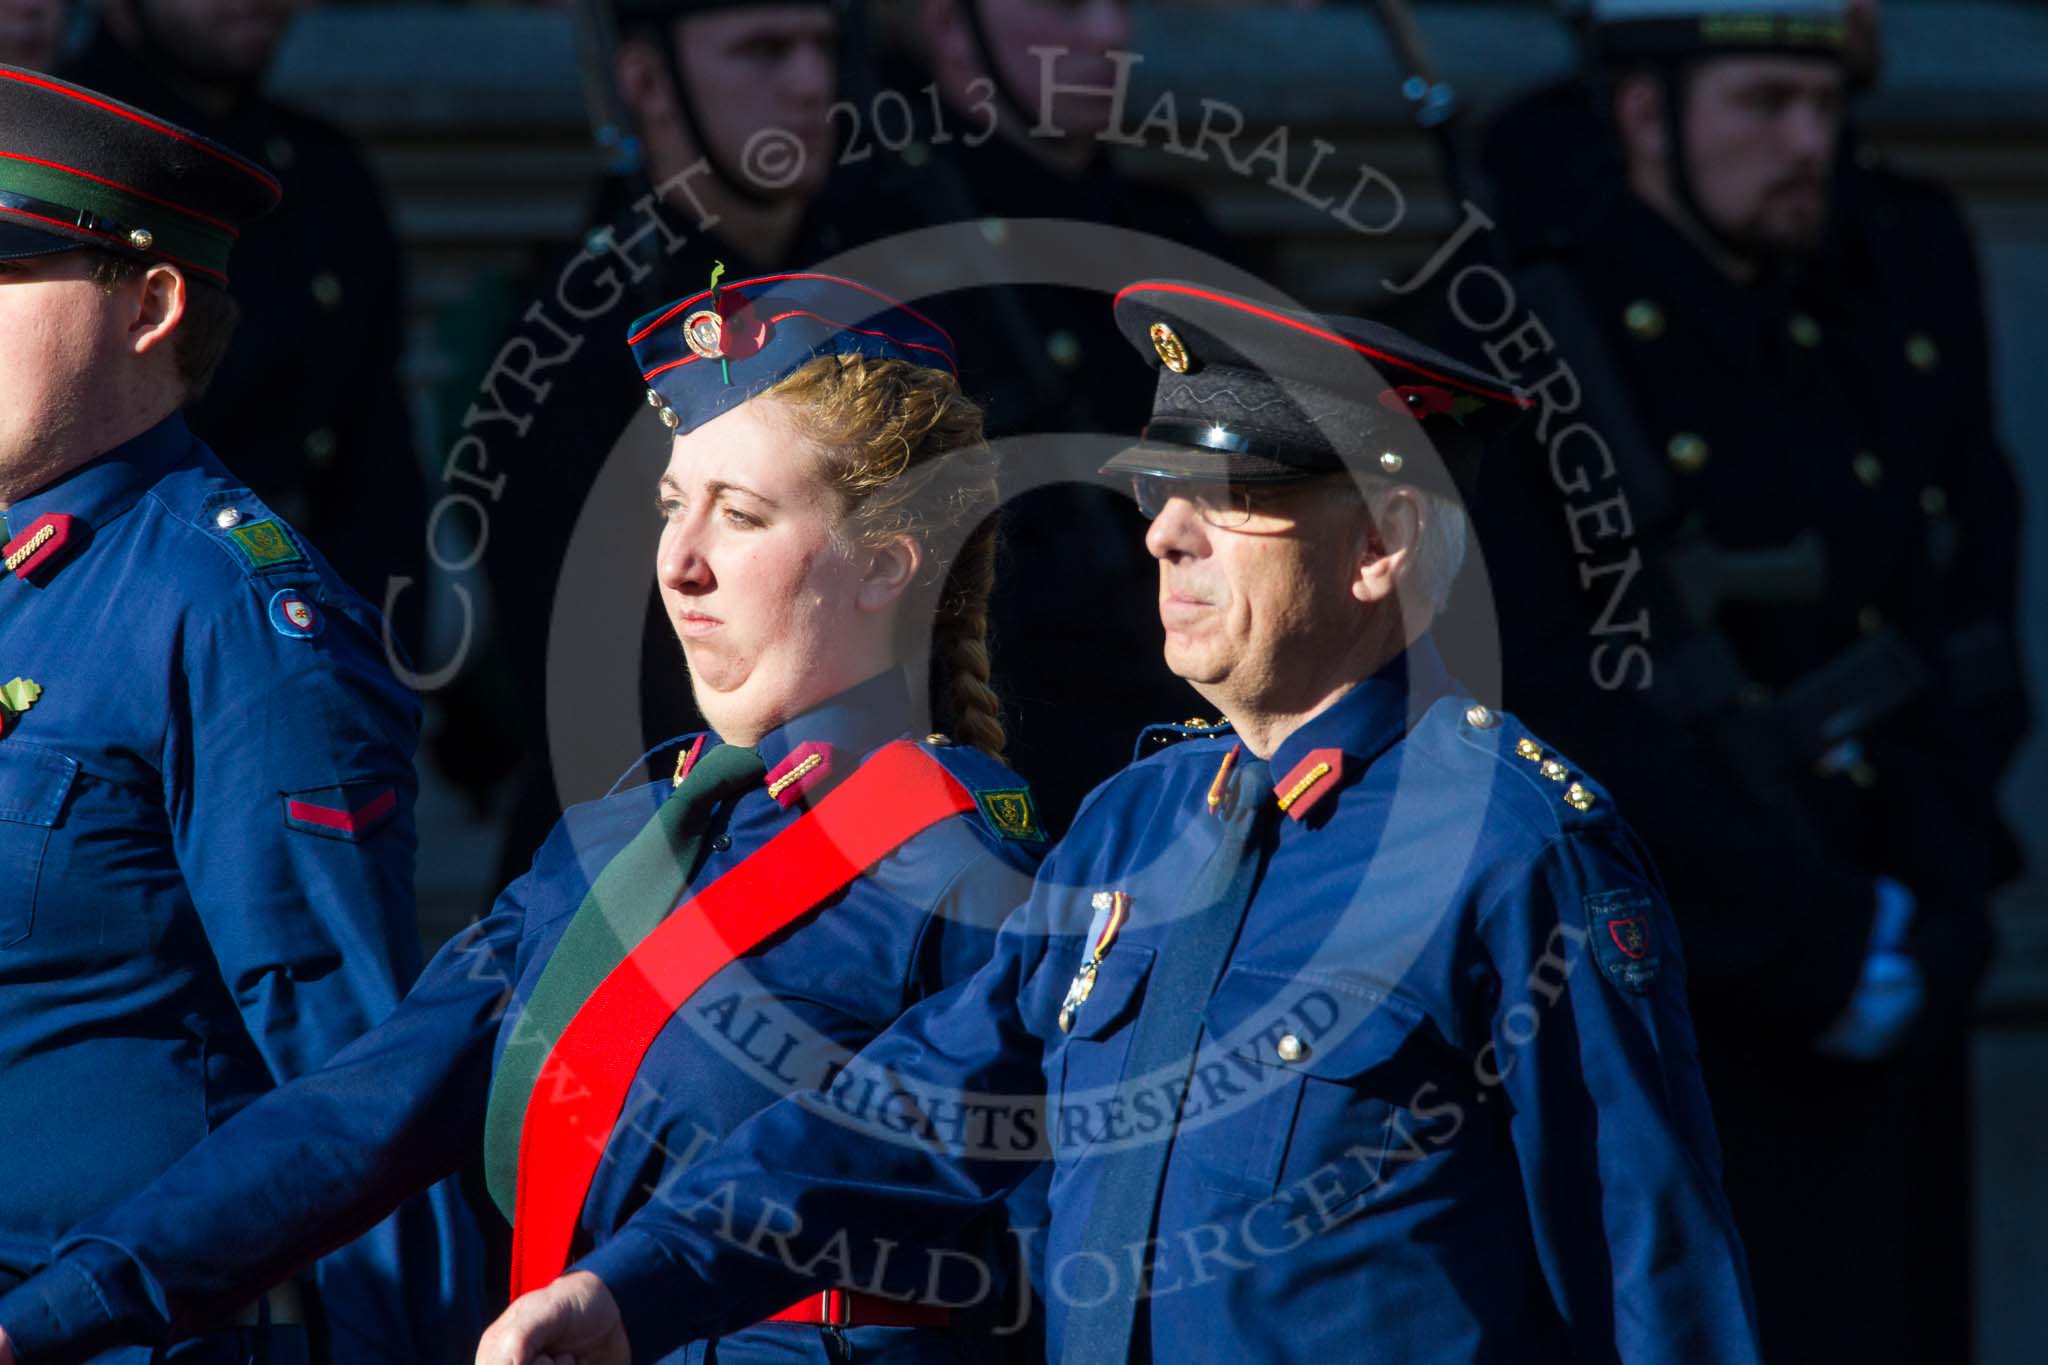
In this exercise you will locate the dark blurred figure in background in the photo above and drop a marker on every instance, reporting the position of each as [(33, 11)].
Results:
[(1765, 580), (694, 80), (308, 406), (30, 32), (1075, 599)]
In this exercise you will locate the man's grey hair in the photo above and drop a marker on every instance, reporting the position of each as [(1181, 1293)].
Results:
[(1440, 554)]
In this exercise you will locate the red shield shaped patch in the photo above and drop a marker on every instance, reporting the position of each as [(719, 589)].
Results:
[(1623, 945)]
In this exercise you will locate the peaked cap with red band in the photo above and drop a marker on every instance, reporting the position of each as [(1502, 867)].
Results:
[(79, 169), (706, 354), (1255, 393)]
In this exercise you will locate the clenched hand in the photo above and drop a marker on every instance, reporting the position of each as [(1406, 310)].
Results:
[(571, 1322)]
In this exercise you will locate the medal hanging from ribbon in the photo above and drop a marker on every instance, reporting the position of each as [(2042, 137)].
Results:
[(1112, 909)]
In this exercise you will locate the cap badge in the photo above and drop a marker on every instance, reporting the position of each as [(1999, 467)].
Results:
[(703, 330), (1172, 353)]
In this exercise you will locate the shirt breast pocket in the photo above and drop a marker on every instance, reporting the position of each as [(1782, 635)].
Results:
[(1094, 1049), (1299, 1084), (34, 783)]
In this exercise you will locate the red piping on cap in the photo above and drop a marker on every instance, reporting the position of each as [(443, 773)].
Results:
[(637, 337), (228, 228), (108, 236), (255, 173), (1300, 326)]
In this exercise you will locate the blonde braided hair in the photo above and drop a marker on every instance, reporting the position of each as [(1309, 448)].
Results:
[(905, 449)]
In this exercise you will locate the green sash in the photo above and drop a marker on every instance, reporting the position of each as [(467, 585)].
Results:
[(634, 893)]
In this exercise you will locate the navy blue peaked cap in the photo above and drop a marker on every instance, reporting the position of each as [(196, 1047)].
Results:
[(78, 169), (1253, 393), (706, 354)]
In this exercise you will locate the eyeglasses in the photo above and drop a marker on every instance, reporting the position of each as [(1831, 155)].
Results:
[(1221, 504)]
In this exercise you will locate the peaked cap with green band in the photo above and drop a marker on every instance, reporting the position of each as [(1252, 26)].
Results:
[(79, 169)]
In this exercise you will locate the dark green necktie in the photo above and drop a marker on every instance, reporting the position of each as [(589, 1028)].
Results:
[(635, 892), (1163, 1043)]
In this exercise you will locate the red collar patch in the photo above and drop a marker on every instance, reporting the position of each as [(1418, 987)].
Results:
[(39, 545), (807, 765), (1315, 777)]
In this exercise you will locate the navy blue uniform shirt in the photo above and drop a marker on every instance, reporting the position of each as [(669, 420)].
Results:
[(206, 859), (405, 1105), (1447, 1106)]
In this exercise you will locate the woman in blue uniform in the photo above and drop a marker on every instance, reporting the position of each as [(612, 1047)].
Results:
[(685, 951)]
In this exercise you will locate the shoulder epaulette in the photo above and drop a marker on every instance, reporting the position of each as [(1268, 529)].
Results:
[(1547, 771), (256, 538), (1003, 797)]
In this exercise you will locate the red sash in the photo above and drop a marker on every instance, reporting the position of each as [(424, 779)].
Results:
[(898, 793)]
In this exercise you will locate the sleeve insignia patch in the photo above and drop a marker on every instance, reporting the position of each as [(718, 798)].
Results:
[(1010, 811), (351, 813), (1623, 944), (293, 617), (264, 544)]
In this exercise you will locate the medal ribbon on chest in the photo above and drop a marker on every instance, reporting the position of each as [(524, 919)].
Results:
[(1112, 909)]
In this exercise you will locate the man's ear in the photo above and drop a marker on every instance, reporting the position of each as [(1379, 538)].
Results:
[(643, 81), (1639, 119), (892, 567), (159, 308), (1391, 531)]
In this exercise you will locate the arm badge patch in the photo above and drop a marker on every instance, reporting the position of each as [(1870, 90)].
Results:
[(350, 813), (1010, 811), (1623, 945)]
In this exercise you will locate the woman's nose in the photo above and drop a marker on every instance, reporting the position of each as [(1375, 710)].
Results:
[(680, 562)]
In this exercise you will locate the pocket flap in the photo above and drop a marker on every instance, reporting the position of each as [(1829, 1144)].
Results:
[(1117, 992), (33, 782), (1310, 1025)]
